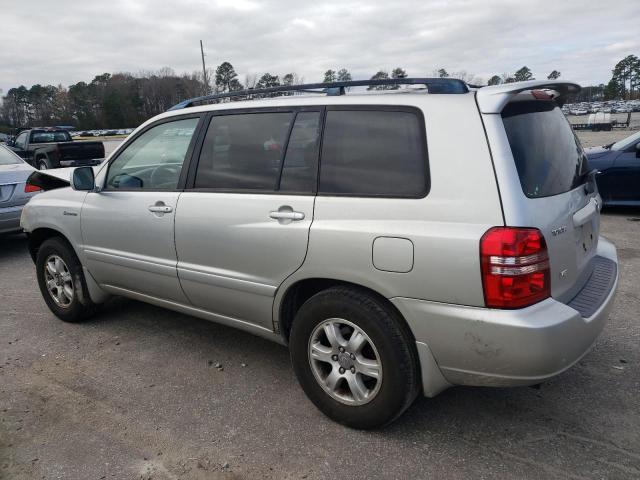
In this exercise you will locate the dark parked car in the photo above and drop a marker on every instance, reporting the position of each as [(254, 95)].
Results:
[(52, 148), (618, 165)]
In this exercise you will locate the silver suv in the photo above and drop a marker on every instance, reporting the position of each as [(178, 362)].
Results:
[(399, 243)]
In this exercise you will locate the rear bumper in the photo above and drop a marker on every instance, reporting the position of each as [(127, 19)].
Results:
[(81, 163), (10, 219), (487, 347)]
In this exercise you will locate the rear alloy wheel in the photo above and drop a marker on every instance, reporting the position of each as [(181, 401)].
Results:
[(354, 357), (349, 369), (43, 165)]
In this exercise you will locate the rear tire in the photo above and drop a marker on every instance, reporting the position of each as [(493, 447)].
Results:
[(62, 283), (334, 372), (44, 164)]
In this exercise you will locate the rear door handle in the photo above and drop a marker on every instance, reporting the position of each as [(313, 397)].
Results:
[(285, 215), (160, 207)]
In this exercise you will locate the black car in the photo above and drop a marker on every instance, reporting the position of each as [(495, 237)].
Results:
[(618, 166)]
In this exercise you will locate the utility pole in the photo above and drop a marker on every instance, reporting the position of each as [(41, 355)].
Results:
[(204, 71)]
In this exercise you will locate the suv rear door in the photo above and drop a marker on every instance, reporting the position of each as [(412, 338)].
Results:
[(243, 226), (544, 182)]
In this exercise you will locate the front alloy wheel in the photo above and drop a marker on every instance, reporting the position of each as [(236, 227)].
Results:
[(58, 280)]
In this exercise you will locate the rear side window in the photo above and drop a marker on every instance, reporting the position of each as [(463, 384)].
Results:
[(243, 151), (374, 153), (548, 156)]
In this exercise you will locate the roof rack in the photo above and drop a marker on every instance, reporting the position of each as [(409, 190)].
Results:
[(433, 85)]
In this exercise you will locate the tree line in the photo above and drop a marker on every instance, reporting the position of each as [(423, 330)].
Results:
[(123, 100)]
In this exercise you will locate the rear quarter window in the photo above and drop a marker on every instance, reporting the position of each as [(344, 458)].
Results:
[(378, 153), (547, 154)]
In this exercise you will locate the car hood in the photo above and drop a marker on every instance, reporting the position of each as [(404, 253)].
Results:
[(597, 152)]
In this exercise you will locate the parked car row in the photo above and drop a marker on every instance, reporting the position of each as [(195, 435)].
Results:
[(100, 133), (611, 106)]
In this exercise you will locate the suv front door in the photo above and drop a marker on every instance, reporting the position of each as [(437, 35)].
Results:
[(128, 226), (243, 227)]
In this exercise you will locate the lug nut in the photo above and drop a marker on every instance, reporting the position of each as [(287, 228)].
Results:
[(334, 358), (341, 349), (341, 370), (353, 357), (353, 369)]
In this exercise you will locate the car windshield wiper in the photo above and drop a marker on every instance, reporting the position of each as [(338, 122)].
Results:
[(608, 146)]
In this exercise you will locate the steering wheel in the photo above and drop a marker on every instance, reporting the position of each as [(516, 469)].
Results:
[(165, 176)]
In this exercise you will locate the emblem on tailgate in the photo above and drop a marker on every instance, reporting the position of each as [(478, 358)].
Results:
[(557, 231)]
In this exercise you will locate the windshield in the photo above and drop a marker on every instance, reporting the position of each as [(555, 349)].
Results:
[(8, 158), (547, 154), (48, 137), (626, 142)]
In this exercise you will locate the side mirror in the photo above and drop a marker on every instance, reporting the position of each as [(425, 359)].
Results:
[(83, 179)]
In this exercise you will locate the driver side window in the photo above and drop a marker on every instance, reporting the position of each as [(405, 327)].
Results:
[(154, 159)]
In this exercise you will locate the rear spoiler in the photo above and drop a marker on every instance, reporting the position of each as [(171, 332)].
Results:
[(493, 99)]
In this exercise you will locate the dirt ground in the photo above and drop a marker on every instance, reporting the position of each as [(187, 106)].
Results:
[(596, 139)]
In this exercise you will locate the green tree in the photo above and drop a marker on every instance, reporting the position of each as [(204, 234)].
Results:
[(523, 75), (614, 90), (380, 75), (226, 78), (398, 73), (442, 73), (330, 76), (343, 75), (495, 80), (554, 75), (627, 72)]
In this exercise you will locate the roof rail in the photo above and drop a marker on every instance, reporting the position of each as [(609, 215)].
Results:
[(434, 85)]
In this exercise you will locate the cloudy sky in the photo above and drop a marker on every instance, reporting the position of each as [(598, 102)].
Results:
[(66, 41)]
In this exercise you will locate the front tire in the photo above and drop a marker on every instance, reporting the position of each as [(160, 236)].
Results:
[(354, 357), (62, 283)]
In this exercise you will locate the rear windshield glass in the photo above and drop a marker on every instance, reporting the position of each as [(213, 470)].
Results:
[(8, 158), (47, 137), (548, 156)]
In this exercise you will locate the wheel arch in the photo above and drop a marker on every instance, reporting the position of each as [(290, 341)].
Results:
[(294, 295), (38, 236)]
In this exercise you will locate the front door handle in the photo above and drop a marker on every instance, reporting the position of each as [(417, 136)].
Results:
[(286, 214), (160, 208)]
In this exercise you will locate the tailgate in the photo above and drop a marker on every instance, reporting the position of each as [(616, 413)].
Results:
[(81, 150), (555, 194)]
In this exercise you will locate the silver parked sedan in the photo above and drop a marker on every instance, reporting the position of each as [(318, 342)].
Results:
[(14, 192)]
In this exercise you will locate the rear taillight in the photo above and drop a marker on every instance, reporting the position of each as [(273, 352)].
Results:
[(515, 267), (28, 188)]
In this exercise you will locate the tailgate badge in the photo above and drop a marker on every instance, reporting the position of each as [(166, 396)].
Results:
[(557, 231), (563, 273)]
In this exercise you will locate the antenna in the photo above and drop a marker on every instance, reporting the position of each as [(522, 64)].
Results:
[(204, 71)]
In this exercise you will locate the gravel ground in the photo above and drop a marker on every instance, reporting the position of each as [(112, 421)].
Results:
[(135, 394)]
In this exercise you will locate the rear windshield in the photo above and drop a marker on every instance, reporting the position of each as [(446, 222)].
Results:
[(48, 137), (8, 158), (548, 156)]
